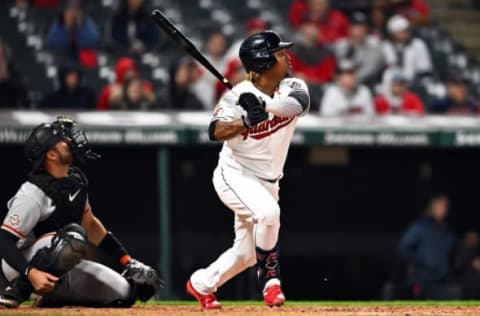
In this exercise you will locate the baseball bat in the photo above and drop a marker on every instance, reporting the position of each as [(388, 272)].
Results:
[(186, 44)]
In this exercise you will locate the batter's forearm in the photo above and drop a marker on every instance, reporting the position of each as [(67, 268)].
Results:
[(226, 130)]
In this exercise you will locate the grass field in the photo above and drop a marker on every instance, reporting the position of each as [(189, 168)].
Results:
[(254, 308)]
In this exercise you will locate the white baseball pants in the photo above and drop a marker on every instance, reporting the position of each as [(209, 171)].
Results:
[(257, 223)]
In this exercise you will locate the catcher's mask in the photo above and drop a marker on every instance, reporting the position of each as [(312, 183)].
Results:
[(43, 137)]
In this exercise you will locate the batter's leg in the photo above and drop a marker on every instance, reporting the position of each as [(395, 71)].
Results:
[(233, 261), (268, 256), (251, 202)]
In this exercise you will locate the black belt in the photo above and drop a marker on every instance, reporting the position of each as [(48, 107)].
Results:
[(270, 180)]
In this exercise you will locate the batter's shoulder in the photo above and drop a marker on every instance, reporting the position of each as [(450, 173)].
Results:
[(294, 83), (243, 86), (228, 99), (231, 97)]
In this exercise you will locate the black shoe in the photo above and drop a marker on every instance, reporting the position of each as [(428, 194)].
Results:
[(17, 293), (8, 301)]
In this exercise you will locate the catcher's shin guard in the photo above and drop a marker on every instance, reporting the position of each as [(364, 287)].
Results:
[(66, 250), (268, 265)]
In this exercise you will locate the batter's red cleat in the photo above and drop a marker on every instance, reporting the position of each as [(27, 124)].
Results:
[(208, 301), (273, 295)]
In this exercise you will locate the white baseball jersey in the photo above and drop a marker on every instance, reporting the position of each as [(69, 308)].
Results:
[(262, 149)]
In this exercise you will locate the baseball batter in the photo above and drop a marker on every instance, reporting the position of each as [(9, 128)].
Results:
[(256, 121), (44, 236)]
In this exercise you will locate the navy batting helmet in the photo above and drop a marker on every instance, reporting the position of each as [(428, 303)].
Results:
[(256, 51)]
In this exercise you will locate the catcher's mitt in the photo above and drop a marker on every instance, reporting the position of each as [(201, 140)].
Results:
[(144, 278)]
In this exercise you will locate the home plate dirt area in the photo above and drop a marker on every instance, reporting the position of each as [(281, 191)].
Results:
[(254, 309)]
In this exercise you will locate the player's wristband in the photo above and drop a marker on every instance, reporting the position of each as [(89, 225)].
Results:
[(211, 130), (27, 271), (112, 246)]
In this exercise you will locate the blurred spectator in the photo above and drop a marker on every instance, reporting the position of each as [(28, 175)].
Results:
[(204, 88), (125, 69), (458, 100), (12, 92), (404, 51), (131, 29), (363, 49), (379, 14), (346, 96), (46, 3), (398, 99), (252, 26), (177, 94), (475, 4), (71, 94), (21, 5), (349, 6), (427, 247), (311, 60), (332, 23), (74, 35), (234, 73), (416, 11), (467, 265), (131, 96)]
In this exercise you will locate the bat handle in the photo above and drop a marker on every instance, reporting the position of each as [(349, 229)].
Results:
[(227, 83)]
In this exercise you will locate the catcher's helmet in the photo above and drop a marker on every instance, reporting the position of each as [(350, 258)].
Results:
[(256, 51), (43, 137)]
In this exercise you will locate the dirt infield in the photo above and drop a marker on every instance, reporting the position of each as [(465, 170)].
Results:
[(255, 311)]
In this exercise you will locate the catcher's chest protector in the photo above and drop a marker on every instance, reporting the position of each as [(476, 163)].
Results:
[(69, 197)]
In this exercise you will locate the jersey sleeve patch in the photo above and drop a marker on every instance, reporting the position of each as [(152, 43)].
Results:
[(23, 214), (295, 85), (225, 110)]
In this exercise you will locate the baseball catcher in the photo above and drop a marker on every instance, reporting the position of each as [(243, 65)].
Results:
[(49, 226), (256, 122)]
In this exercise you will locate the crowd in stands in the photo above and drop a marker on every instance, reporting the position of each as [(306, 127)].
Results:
[(439, 264), (359, 57)]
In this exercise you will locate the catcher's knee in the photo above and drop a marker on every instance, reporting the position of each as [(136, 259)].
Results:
[(67, 248)]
